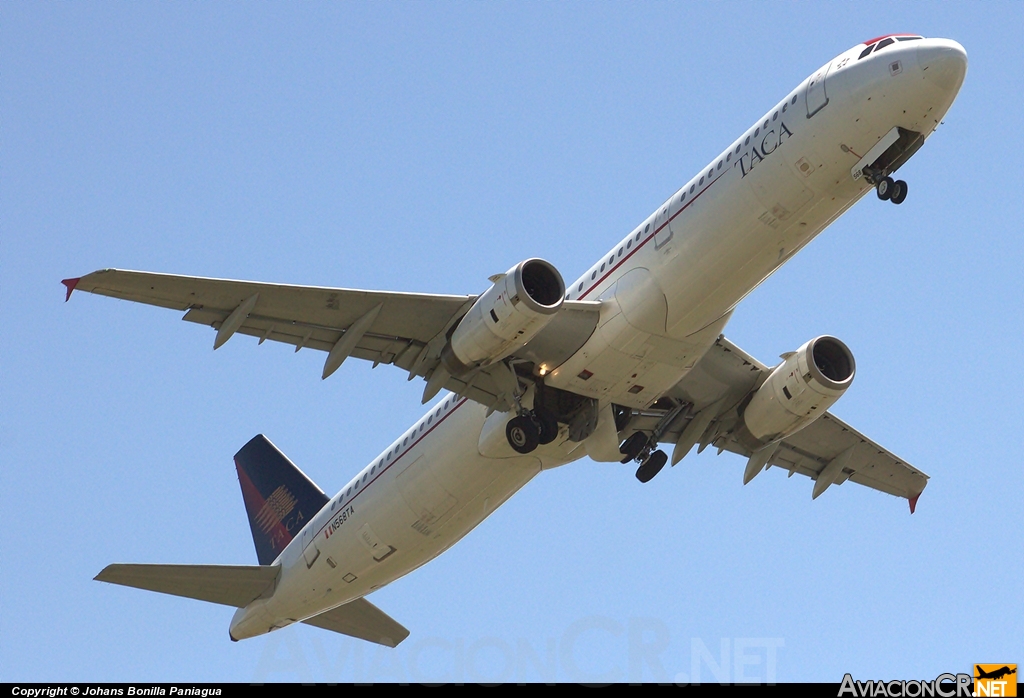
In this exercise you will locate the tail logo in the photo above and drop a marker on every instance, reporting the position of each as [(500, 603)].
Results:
[(278, 505)]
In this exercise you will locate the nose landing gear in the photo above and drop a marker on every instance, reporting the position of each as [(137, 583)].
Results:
[(889, 190)]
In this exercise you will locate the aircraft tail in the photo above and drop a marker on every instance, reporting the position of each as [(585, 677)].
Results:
[(279, 498), (230, 585)]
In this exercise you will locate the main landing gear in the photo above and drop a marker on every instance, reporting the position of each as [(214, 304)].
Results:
[(638, 447), (889, 190), (530, 429)]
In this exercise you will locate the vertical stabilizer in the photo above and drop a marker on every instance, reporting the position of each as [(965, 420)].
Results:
[(279, 498)]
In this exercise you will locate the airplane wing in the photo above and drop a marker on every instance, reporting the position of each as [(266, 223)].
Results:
[(828, 451), (407, 330)]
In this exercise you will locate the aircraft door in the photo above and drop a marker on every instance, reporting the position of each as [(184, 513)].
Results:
[(816, 95), (663, 230), (309, 550)]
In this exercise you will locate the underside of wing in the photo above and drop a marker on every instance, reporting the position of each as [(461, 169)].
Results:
[(407, 330), (361, 619), (229, 585), (706, 408)]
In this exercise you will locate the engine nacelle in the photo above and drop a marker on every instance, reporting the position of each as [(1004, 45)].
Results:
[(800, 389), (508, 315)]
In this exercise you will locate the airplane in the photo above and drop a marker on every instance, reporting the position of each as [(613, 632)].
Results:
[(537, 374), (995, 674)]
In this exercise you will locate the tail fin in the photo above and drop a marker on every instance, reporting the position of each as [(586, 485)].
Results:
[(279, 498)]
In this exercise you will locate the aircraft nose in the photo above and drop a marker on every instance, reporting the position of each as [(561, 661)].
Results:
[(944, 62)]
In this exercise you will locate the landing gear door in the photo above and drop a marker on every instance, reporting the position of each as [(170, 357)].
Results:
[(817, 98)]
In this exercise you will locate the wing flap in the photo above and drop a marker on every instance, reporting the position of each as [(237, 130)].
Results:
[(229, 585), (361, 619)]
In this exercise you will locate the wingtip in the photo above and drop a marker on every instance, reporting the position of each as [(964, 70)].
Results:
[(70, 284), (913, 502)]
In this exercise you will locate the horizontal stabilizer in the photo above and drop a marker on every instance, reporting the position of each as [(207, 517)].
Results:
[(230, 585), (361, 619)]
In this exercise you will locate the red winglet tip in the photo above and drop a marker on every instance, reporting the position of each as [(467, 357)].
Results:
[(913, 502), (71, 284)]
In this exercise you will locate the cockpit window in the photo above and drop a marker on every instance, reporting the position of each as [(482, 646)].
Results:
[(883, 41)]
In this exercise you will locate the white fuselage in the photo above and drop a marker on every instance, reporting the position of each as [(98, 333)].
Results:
[(667, 290)]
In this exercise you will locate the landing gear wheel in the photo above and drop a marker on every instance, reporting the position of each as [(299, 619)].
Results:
[(522, 434), (651, 466), (884, 188), (899, 191), (547, 426), (633, 446)]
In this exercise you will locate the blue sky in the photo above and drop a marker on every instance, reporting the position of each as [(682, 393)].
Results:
[(423, 147)]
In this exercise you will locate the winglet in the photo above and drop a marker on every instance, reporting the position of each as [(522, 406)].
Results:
[(913, 502), (71, 284)]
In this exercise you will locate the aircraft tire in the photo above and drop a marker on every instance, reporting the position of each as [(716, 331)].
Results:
[(651, 466), (884, 188), (632, 446), (899, 192), (522, 434)]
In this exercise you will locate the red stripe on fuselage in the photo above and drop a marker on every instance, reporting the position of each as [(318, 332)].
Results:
[(393, 462), (649, 238)]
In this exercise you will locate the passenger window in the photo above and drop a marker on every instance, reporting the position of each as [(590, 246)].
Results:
[(611, 259), (638, 235), (594, 275), (702, 181), (620, 251), (580, 287), (775, 116), (647, 228), (793, 100), (629, 243), (692, 187), (765, 123), (602, 266), (738, 146), (747, 142), (728, 157), (756, 131), (784, 106), (719, 164)]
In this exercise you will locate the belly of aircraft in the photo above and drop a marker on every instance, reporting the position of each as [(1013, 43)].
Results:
[(424, 507)]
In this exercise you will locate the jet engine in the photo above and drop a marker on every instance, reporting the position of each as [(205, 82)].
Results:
[(799, 390), (509, 314)]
